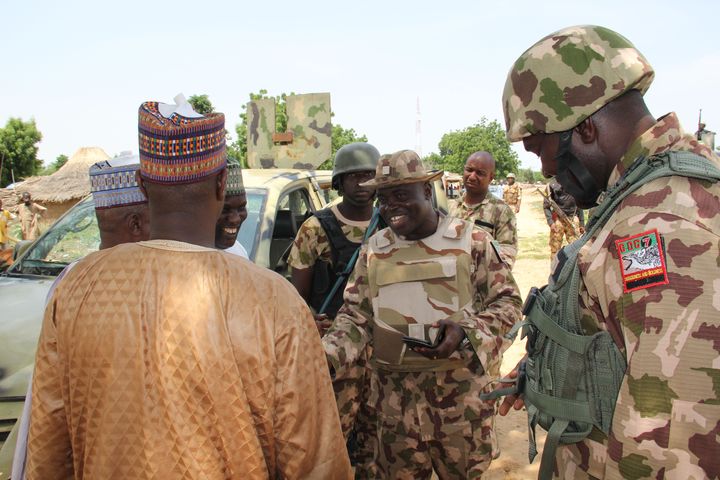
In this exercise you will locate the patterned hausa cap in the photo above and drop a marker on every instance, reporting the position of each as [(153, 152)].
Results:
[(178, 145), (569, 75), (400, 168), (113, 182), (234, 183)]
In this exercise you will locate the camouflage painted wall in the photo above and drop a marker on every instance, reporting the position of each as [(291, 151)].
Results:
[(310, 127)]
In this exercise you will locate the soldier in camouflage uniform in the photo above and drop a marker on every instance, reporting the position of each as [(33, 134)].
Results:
[(316, 261), (575, 98), (512, 194), (558, 230), (430, 277), (486, 211)]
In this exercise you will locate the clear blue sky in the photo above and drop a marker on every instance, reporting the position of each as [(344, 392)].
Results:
[(81, 68)]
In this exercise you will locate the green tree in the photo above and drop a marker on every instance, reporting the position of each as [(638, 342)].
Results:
[(238, 149), (55, 166), (201, 104), (18, 150), (486, 135)]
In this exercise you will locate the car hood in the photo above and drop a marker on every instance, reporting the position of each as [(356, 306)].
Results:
[(22, 303)]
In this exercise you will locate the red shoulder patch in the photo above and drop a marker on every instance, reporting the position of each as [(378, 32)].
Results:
[(642, 261)]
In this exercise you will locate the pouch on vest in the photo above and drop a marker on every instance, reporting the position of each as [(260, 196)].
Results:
[(325, 274), (572, 376)]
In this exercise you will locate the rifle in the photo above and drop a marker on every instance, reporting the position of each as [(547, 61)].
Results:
[(559, 212), (374, 220)]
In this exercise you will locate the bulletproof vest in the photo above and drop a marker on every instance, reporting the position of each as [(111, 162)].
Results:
[(414, 284), (324, 273), (572, 376)]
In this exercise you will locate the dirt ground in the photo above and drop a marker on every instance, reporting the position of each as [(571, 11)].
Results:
[(531, 269)]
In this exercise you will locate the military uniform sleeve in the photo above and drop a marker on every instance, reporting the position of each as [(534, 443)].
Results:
[(350, 333), (49, 447), (667, 416), (498, 304), (306, 246), (307, 428), (506, 235)]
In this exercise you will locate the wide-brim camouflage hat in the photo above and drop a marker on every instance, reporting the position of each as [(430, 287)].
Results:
[(568, 76), (400, 168)]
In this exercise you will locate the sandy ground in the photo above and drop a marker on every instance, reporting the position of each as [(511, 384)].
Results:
[(529, 272)]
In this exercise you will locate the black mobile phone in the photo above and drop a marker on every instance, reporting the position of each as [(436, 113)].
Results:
[(413, 342), (416, 342)]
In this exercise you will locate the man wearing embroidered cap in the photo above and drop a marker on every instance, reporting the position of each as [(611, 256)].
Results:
[(168, 358), (122, 215), (624, 358), (429, 277), (233, 214)]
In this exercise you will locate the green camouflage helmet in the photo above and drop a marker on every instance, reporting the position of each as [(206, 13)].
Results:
[(569, 75), (354, 157)]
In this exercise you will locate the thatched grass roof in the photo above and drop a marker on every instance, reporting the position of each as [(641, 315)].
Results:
[(71, 182)]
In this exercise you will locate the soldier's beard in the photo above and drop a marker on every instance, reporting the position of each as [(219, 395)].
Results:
[(574, 176)]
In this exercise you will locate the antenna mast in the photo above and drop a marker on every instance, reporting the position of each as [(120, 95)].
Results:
[(418, 132)]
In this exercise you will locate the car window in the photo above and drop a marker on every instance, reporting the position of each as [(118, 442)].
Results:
[(293, 209), (248, 234), (72, 237)]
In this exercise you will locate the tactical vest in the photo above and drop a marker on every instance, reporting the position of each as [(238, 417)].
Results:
[(324, 273), (572, 376), (414, 284)]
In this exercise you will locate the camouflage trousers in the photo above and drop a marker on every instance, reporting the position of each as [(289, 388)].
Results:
[(357, 418), (433, 421), (558, 232)]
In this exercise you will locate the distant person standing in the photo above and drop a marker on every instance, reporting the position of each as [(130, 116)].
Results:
[(30, 213), (5, 217), (485, 210), (560, 230), (512, 194)]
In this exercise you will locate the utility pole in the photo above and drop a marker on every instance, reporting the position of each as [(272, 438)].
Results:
[(418, 132)]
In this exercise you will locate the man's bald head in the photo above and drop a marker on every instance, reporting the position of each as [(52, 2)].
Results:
[(483, 158), (478, 173)]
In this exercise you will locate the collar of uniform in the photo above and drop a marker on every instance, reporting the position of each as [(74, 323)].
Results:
[(665, 134), (475, 206), (450, 226)]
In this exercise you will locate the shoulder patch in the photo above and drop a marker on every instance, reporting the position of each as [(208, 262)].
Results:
[(642, 261)]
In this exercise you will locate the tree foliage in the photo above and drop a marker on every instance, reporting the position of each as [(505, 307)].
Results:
[(55, 166), (201, 104), (18, 150), (238, 149), (528, 175), (455, 147)]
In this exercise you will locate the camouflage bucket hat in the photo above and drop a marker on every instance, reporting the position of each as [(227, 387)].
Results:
[(510, 175), (569, 75), (400, 168)]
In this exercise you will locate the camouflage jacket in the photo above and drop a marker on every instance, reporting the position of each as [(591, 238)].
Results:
[(512, 195), (311, 243), (495, 217), (667, 418), (491, 313)]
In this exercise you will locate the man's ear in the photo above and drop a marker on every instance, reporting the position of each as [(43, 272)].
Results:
[(134, 224), (427, 190), (587, 131), (220, 186)]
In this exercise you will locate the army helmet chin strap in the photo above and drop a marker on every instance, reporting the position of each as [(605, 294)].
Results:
[(568, 164)]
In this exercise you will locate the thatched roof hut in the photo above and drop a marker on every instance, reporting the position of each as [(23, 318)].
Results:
[(64, 188)]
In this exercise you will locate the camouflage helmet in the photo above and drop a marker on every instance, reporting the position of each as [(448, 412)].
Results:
[(354, 157), (569, 75)]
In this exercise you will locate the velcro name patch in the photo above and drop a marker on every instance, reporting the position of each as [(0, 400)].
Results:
[(642, 261)]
